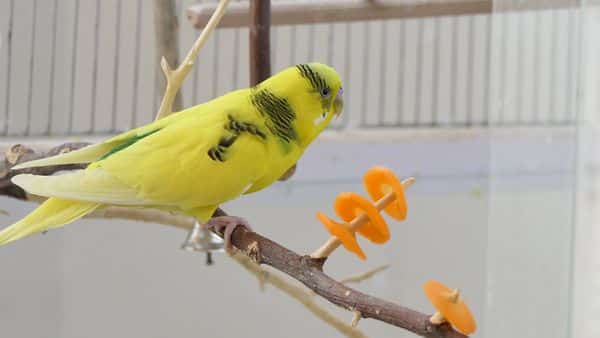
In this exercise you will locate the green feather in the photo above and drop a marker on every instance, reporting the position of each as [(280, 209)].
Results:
[(127, 143)]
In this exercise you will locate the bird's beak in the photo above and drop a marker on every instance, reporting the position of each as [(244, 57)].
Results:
[(338, 103)]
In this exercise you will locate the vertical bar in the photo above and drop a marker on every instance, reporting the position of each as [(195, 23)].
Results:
[(503, 66), (345, 118), (470, 71), (236, 53), (73, 65), (382, 75), (216, 59), (136, 63), (436, 71), (260, 40), (520, 68), (330, 44), (401, 62), (570, 114), (552, 69), (488, 70), (365, 74), (8, 67), (536, 69), (52, 58), (116, 69), (30, 80), (453, 71), (95, 67), (293, 46), (167, 44), (419, 67), (273, 37)]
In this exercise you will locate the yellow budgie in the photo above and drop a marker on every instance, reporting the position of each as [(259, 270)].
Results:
[(193, 160)]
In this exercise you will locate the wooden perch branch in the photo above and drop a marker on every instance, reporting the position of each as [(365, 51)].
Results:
[(19, 153), (309, 272)]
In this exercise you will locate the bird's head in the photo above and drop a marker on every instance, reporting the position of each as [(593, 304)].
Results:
[(313, 92)]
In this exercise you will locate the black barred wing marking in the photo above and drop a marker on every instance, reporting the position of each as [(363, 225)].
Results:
[(235, 128)]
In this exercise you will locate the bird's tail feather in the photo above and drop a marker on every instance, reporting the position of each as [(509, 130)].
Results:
[(53, 213)]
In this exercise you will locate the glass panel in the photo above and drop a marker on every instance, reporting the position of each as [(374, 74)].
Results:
[(532, 172)]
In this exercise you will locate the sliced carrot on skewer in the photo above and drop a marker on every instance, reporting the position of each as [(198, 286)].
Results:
[(341, 232), (450, 306), (349, 205), (378, 182)]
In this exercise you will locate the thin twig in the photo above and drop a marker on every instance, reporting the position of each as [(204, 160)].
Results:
[(365, 275), (356, 316), (175, 77), (298, 293)]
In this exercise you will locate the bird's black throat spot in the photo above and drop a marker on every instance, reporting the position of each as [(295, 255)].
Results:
[(278, 112)]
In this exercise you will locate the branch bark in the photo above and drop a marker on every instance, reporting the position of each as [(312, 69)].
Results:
[(19, 153)]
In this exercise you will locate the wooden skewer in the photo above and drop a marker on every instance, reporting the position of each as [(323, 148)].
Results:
[(333, 243)]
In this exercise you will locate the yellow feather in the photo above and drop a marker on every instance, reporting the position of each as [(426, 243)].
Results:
[(91, 185), (52, 213)]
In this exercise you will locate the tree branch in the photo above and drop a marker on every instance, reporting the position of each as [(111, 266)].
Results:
[(309, 272)]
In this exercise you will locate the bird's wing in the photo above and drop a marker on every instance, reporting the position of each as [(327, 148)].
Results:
[(197, 161), (91, 185), (94, 152)]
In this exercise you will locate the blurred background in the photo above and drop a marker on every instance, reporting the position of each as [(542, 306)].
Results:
[(494, 109)]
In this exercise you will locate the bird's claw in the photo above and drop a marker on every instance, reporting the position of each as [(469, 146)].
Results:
[(226, 225)]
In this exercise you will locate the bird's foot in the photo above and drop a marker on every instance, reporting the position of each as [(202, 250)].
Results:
[(229, 223)]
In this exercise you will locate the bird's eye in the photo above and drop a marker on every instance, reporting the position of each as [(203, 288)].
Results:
[(325, 92)]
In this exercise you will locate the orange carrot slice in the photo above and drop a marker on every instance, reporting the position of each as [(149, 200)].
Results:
[(454, 309), (378, 182), (349, 205), (341, 232)]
